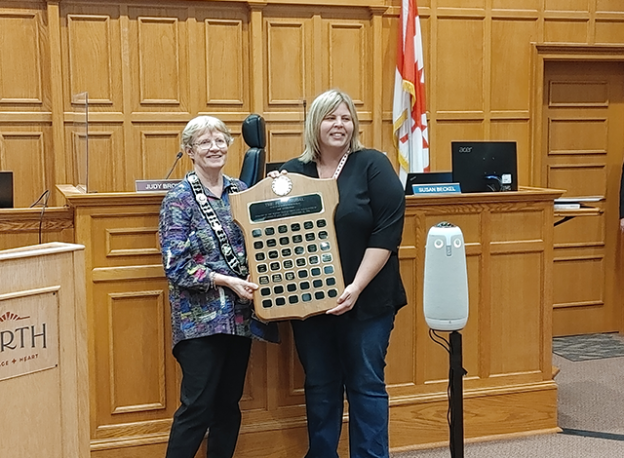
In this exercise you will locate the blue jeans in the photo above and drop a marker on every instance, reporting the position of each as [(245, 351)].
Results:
[(341, 355)]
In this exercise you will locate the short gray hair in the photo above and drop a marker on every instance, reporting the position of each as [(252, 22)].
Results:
[(201, 124), (323, 105)]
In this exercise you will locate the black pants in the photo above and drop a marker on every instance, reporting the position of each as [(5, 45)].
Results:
[(213, 376)]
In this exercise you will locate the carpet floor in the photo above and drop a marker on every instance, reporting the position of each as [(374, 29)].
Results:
[(590, 407)]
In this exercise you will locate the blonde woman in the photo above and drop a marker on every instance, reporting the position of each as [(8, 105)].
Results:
[(343, 351)]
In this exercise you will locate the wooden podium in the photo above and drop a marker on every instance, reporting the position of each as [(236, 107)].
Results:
[(44, 390)]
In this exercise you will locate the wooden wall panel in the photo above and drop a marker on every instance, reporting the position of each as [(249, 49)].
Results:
[(133, 397), (512, 5), (91, 49), (20, 60), (91, 45), (254, 398), (581, 232), (236, 151), (565, 5), (136, 321), (24, 152), (284, 142), (448, 131), (566, 30), (137, 63), (460, 64), (442, 4), (579, 281), (106, 164), (287, 65), (582, 153), (590, 180), (159, 80), (115, 241), (157, 38), (402, 374), (522, 225), (477, 328), (290, 398), (226, 55), (348, 56), (511, 63), (517, 130), (158, 151), (609, 6), (586, 136), (146, 73), (511, 320), (221, 65), (610, 31), (389, 38)]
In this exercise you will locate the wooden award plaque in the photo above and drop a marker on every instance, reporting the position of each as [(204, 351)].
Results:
[(291, 244)]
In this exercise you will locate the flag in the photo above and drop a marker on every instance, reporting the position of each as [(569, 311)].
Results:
[(409, 113)]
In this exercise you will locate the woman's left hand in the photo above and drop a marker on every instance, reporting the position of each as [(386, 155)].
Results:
[(346, 301), (275, 173)]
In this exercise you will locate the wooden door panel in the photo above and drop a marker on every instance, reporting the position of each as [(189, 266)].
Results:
[(583, 111)]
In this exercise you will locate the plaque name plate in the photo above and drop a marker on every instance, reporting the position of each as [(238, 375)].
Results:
[(291, 244)]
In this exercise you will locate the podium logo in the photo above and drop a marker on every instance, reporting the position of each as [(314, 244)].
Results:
[(12, 316), (21, 336), (28, 334)]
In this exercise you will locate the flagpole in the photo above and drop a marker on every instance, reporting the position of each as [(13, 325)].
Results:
[(410, 156)]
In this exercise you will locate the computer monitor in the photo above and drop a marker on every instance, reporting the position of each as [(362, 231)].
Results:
[(426, 178), (6, 189), (485, 166)]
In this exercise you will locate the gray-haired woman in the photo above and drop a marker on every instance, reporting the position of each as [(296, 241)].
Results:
[(205, 262)]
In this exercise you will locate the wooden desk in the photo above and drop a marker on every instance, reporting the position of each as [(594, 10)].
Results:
[(509, 389), (20, 227)]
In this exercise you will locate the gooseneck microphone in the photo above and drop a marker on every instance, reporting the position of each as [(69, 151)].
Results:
[(178, 157)]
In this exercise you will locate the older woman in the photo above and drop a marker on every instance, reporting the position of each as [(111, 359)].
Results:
[(205, 263), (345, 349)]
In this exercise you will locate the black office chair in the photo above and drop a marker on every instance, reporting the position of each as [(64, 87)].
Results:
[(254, 134)]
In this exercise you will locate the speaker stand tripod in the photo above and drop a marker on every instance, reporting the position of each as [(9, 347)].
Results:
[(456, 397)]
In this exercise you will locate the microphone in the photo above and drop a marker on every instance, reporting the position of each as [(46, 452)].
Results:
[(178, 157)]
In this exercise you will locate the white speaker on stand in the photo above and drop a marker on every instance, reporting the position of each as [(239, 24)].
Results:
[(445, 306), (445, 298)]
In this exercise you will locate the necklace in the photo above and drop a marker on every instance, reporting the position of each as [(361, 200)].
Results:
[(341, 165), (236, 261)]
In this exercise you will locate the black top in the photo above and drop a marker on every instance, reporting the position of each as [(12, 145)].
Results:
[(370, 214)]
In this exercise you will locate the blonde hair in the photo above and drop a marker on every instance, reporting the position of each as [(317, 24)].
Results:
[(323, 105), (201, 124)]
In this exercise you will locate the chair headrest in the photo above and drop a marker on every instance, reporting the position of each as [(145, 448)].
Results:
[(254, 131)]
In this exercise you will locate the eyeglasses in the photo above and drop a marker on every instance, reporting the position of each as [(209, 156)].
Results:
[(205, 145)]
